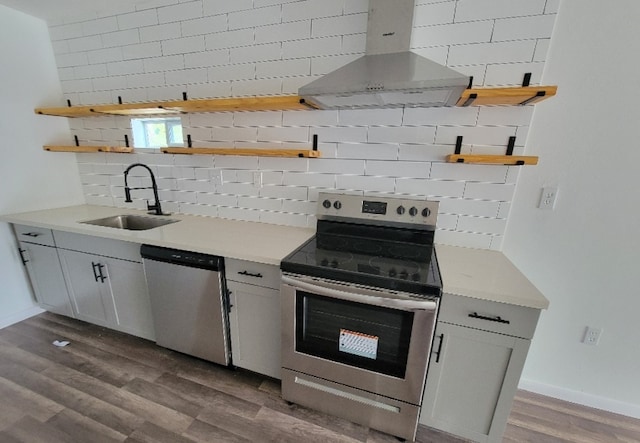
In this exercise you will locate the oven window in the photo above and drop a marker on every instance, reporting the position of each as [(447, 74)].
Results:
[(357, 334)]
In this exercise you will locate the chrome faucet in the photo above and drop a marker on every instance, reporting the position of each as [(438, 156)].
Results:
[(156, 208)]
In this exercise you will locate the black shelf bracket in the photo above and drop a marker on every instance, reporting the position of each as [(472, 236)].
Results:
[(184, 96), (470, 82), (126, 140), (470, 99), (458, 149), (511, 145), (75, 138), (189, 143), (526, 80), (533, 98), (119, 100), (68, 103)]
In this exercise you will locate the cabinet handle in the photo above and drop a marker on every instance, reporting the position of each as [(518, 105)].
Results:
[(497, 318), (441, 336), (100, 275), (250, 274), (32, 234), (24, 260), (95, 274)]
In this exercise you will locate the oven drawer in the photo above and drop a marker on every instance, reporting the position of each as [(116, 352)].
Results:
[(252, 273), (375, 411), (29, 234), (503, 318)]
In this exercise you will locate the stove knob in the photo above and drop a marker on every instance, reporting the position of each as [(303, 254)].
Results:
[(393, 272), (413, 211), (426, 212), (404, 274), (326, 204), (324, 262), (415, 277), (337, 204), (400, 210), (334, 263)]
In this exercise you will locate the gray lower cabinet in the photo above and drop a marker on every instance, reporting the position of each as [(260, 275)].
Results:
[(478, 354), (40, 257), (254, 318), (108, 291)]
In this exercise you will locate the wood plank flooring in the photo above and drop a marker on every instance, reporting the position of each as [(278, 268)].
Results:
[(111, 387)]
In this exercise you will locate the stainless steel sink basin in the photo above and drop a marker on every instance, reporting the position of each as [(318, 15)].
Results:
[(130, 222)]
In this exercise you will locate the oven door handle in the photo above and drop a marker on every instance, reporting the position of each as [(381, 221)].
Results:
[(362, 297)]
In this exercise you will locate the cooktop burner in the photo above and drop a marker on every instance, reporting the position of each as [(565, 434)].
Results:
[(366, 242)]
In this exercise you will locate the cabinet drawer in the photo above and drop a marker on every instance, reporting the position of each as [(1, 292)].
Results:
[(105, 247), (503, 318), (38, 236), (253, 273)]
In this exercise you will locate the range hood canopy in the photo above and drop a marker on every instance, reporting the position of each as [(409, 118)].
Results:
[(389, 75)]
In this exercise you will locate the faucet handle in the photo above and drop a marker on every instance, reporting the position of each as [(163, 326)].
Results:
[(127, 195)]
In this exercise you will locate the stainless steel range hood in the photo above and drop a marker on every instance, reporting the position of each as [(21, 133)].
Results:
[(389, 75)]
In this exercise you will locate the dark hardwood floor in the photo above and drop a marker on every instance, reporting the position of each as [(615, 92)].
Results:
[(110, 387)]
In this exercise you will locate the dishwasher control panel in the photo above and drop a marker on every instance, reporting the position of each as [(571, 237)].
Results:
[(179, 257)]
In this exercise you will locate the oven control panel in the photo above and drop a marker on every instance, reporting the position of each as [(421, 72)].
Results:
[(389, 209)]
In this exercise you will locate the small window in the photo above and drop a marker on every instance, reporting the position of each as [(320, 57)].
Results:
[(157, 132)]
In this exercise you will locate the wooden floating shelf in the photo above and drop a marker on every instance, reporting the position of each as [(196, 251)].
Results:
[(270, 103), (120, 149), (493, 159), (256, 152), (524, 95)]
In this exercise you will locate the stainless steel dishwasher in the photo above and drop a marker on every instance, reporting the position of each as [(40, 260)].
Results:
[(188, 301)]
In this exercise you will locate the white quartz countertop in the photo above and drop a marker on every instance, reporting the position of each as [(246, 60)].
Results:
[(486, 275), (253, 241)]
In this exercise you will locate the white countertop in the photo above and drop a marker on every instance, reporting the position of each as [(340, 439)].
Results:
[(257, 242), (476, 273), (486, 275)]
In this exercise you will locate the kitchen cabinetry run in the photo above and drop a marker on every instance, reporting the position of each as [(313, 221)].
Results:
[(478, 354), (254, 320), (40, 257), (106, 282)]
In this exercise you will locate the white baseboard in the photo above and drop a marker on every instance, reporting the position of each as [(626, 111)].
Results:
[(19, 316), (582, 398)]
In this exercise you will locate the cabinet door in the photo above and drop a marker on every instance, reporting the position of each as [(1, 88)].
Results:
[(471, 382), (255, 328), (129, 293), (91, 295), (45, 274)]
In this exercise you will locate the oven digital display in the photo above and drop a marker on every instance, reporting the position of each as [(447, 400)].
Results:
[(371, 207)]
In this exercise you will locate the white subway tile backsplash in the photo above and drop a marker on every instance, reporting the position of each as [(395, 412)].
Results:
[(284, 68), (213, 7), (365, 183), (197, 209), (215, 57), (261, 86), (256, 53), (283, 134), (235, 162), (481, 173), (125, 67), (183, 45), (283, 164), (229, 39), (143, 50), (513, 73), (339, 25), (467, 10), (333, 166), (167, 63), (239, 189), (308, 9), (121, 38), (180, 12), (372, 151), (324, 65), (84, 43), (156, 33), (354, 43), (262, 118), (430, 188), (398, 168), (453, 34), (207, 90), (184, 76), (482, 225), (254, 17), (465, 239), (505, 115), (232, 72), (434, 14), (281, 32), (281, 218), (371, 117), (137, 19), (264, 204), (489, 191), (284, 192), (307, 118), (70, 60), (204, 25), (523, 28), (196, 185), (104, 55), (64, 32), (542, 47), (403, 134), (479, 208), (341, 134), (440, 116), (480, 135), (317, 47), (499, 52), (310, 180), (217, 199)]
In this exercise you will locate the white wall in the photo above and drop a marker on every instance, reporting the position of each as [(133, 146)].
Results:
[(32, 178), (215, 48), (584, 255)]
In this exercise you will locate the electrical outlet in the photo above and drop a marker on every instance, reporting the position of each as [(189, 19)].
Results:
[(548, 198), (592, 336)]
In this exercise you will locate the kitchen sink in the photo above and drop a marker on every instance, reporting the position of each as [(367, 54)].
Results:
[(130, 222)]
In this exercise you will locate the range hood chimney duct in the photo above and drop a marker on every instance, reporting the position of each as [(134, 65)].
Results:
[(389, 74)]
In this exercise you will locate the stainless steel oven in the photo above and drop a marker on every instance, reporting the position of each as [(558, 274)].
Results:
[(359, 308)]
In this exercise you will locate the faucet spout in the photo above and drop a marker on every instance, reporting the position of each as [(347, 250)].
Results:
[(153, 209)]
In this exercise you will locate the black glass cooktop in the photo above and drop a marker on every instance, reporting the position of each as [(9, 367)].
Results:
[(397, 259)]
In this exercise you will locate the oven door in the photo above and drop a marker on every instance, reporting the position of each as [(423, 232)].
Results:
[(367, 338)]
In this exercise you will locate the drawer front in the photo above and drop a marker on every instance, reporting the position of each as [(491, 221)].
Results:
[(29, 234), (503, 318), (105, 247), (252, 273)]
